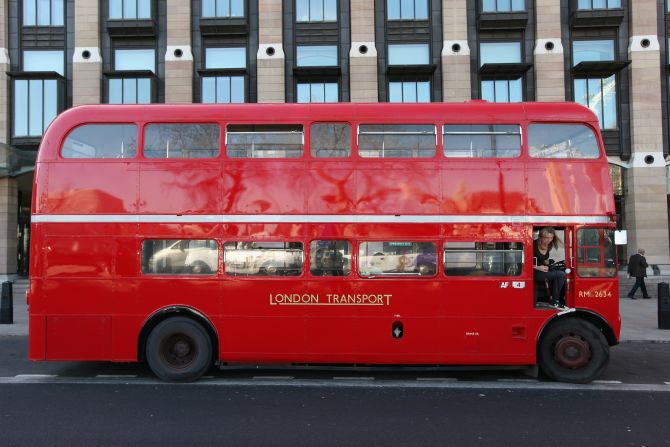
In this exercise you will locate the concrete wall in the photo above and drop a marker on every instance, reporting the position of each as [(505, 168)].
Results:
[(363, 64), (270, 57)]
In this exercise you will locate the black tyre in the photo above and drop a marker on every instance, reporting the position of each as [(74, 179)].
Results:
[(200, 268), (179, 350), (573, 350)]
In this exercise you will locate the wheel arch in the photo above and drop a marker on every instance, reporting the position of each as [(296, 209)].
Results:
[(172, 311), (582, 314)]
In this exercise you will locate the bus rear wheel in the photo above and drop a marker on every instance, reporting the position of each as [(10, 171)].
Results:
[(574, 351), (179, 350)]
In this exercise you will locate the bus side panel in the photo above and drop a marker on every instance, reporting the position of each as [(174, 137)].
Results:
[(560, 188), (168, 187), (40, 189), (331, 189), (497, 190), (88, 187), (252, 188), (391, 186)]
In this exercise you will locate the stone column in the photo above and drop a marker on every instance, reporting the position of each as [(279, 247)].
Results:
[(86, 62), (363, 53), (178, 58), (646, 198), (549, 69), (270, 58), (455, 51)]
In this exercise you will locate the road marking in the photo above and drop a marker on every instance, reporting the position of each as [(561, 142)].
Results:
[(437, 379), (116, 376), (287, 381), (352, 378), (606, 381), (520, 380)]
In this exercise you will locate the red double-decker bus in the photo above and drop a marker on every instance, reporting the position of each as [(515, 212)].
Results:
[(397, 234)]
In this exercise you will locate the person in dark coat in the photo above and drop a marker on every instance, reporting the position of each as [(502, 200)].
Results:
[(637, 268)]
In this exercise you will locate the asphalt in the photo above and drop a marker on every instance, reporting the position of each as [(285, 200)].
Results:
[(639, 317)]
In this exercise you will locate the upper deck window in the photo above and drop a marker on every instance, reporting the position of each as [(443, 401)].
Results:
[(181, 140), (101, 141), (562, 141), (265, 141), (330, 140), (482, 140), (396, 140)]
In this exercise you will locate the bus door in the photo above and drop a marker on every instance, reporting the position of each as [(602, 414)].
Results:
[(561, 258), (595, 278)]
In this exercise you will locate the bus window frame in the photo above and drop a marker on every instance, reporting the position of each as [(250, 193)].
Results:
[(96, 159), (303, 273), (216, 274), (523, 273), (308, 142), (438, 141), (596, 132), (523, 149), (353, 272), (142, 131), (299, 122), (434, 276)]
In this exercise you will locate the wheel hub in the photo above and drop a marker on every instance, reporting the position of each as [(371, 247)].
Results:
[(178, 350), (572, 351)]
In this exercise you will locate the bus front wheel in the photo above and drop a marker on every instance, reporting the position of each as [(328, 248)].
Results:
[(573, 350), (179, 350)]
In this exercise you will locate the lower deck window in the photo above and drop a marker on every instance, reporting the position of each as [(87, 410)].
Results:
[(180, 257), (263, 258), (596, 253), (483, 258), (397, 258), (330, 258)]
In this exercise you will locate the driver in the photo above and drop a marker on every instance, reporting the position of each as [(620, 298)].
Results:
[(546, 241)]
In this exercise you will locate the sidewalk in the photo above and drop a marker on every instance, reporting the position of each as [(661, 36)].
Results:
[(639, 317)]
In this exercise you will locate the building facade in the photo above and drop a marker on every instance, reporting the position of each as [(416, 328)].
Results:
[(605, 54)]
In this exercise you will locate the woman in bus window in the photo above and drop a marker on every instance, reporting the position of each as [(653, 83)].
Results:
[(546, 241)]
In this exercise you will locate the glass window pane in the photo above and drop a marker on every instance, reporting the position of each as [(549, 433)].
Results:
[(397, 258), (237, 89), (304, 93), (264, 141), (144, 91), (515, 90), (35, 96), (57, 11), (29, 13), (596, 253), (330, 258), (396, 140), (20, 108), (504, 5), (409, 91), (489, 5), (592, 50), (101, 141), (483, 258), (180, 257), (237, 8), (584, 4), (614, 3), (115, 91), (409, 54), (226, 57), (482, 140), (330, 140), (39, 60), (208, 9), (331, 92), (44, 12), (222, 8), (488, 91), (209, 90), (181, 140), (395, 91), (518, 5), (223, 89), (330, 10), (263, 258), (421, 9), (581, 96), (423, 91), (316, 10), (502, 91), (500, 52), (318, 92), (129, 9), (609, 103), (302, 10), (144, 59), (407, 9), (599, 4), (596, 98), (393, 9), (562, 141), (130, 91), (50, 101), (144, 9), (317, 56)]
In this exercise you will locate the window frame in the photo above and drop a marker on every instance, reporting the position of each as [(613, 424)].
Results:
[(123, 18), (309, 7), (228, 17), (190, 275), (413, 18), (519, 277), (352, 257), (23, 15), (396, 275), (303, 268)]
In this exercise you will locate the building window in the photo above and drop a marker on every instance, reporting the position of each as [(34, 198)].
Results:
[(409, 54), (316, 56), (223, 81), (407, 9), (223, 8), (598, 4), (504, 87), (318, 92), (130, 9), (409, 91), (132, 82), (43, 12), (316, 10), (36, 97), (503, 5), (598, 93)]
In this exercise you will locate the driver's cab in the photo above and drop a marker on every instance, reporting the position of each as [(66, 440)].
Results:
[(557, 261)]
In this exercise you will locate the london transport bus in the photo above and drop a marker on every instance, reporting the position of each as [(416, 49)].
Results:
[(369, 234)]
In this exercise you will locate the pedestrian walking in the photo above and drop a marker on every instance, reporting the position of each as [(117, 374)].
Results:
[(637, 268)]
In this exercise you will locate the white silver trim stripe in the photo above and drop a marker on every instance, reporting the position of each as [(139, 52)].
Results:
[(309, 218)]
